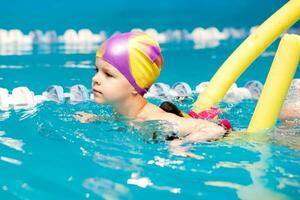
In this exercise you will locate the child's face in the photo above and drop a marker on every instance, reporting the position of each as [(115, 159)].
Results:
[(109, 85)]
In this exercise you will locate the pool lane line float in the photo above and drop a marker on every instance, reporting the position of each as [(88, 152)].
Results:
[(246, 53), (22, 97), (276, 87), (78, 93), (182, 91)]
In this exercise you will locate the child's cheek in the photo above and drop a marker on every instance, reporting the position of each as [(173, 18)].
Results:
[(111, 91)]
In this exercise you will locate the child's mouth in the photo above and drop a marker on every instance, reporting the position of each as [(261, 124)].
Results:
[(97, 92)]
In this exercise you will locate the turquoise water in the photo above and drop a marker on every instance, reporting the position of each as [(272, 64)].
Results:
[(46, 154)]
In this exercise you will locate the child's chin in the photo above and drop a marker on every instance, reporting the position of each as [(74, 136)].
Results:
[(99, 100)]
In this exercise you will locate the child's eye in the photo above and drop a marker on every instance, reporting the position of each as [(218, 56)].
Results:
[(108, 74), (96, 69)]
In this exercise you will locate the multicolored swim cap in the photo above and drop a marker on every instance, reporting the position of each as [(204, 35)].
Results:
[(136, 55)]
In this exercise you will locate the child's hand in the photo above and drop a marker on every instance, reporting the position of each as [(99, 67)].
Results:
[(176, 148), (85, 117), (203, 136)]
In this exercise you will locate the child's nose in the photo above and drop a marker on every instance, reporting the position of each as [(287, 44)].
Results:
[(96, 80)]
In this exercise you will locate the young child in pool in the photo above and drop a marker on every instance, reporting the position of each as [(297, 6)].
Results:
[(127, 65)]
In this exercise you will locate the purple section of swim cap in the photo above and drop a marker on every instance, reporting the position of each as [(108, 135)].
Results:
[(116, 53), (154, 53)]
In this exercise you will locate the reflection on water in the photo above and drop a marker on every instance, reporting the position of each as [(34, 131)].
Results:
[(106, 188)]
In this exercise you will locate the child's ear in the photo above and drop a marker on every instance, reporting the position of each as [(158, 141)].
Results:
[(134, 92)]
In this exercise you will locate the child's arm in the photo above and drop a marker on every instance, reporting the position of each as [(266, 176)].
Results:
[(198, 130), (193, 130), (290, 111), (290, 115), (88, 118)]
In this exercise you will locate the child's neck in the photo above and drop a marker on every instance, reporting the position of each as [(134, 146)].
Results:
[(131, 107)]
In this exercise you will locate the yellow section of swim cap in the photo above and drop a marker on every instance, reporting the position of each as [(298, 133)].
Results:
[(100, 52), (143, 38), (143, 70)]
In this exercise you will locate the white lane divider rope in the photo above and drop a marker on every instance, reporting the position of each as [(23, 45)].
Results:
[(23, 97)]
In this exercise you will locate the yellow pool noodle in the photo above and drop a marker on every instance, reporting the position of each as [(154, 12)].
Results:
[(246, 53), (281, 74)]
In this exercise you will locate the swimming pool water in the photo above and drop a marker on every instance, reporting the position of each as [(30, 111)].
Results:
[(46, 153)]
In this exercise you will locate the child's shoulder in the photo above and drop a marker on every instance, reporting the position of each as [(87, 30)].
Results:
[(153, 112)]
